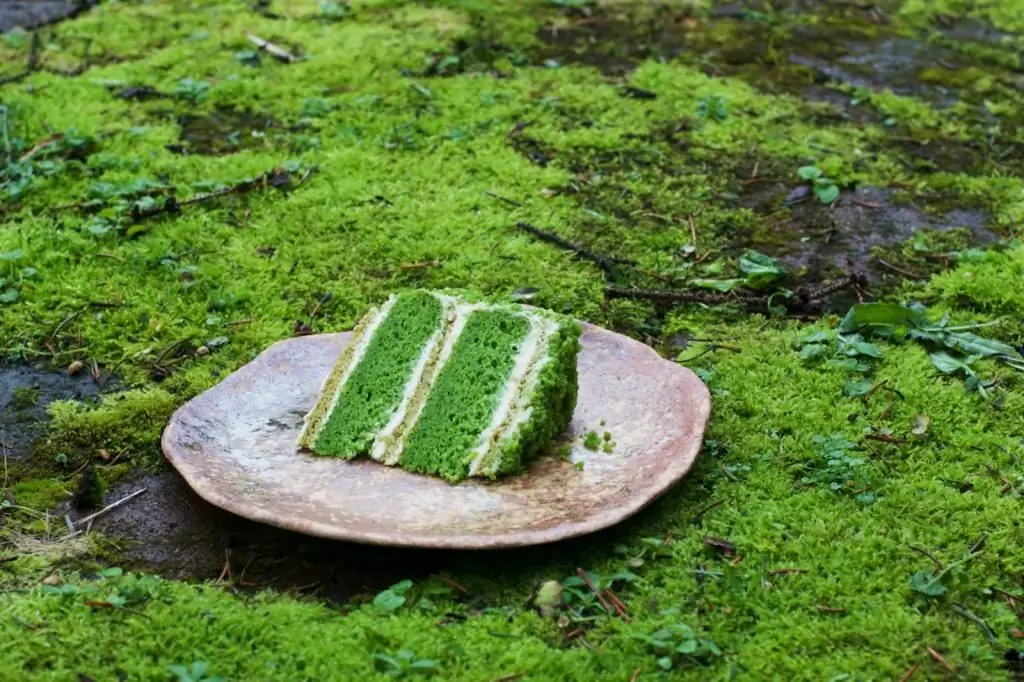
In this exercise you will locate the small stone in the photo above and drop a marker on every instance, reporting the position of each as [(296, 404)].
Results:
[(202, 350), (103, 454), (52, 579), (75, 367), (799, 194)]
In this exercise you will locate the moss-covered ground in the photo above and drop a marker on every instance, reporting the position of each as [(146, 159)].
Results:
[(840, 525)]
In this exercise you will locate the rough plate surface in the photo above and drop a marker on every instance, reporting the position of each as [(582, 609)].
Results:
[(236, 445)]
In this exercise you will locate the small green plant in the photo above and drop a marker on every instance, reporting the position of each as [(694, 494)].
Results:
[(401, 137), (832, 464), (403, 663), (197, 672), (332, 11), (191, 90), (248, 57), (651, 548), (580, 597), (712, 108), (24, 397), (23, 163), (936, 581), (392, 598), (113, 590), (676, 642), (955, 348), (17, 37), (315, 107), (824, 187), (759, 272), (591, 441)]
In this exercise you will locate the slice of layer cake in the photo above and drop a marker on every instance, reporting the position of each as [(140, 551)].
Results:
[(450, 387)]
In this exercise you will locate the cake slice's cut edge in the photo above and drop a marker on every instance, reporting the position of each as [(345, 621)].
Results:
[(543, 406), (327, 397), (376, 379), (463, 399), (387, 445)]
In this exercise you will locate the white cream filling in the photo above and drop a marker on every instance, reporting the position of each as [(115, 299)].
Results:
[(461, 314), (526, 369), (386, 437), (357, 355)]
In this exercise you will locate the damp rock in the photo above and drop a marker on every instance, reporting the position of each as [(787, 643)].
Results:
[(30, 14)]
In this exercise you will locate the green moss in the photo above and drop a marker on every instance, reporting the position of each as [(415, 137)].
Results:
[(40, 494), (128, 423), (24, 397), (591, 440), (404, 161)]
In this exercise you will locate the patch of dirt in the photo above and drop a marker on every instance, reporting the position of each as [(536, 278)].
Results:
[(171, 531), (795, 49), (924, 153), (972, 30), (614, 44), (30, 14), (225, 131), (891, 64), (24, 394), (825, 240)]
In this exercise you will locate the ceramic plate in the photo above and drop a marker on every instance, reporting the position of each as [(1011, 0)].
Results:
[(237, 446)]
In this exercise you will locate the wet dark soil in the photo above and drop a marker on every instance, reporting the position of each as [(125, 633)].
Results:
[(821, 240), (29, 14), (25, 391), (225, 131), (797, 51), (171, 531)]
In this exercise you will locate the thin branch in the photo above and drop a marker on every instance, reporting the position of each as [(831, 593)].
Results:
[(103, 511), (602, 261), (586, 579)]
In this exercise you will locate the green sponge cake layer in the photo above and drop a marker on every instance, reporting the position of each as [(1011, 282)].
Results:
[(369, 387), (466, 395), (448, 387)]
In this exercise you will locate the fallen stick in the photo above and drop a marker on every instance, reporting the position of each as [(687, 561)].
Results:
[(586, 580), (602, 261), (272, 49), (114, 505)]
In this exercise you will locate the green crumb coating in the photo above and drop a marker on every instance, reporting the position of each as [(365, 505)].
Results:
[(551, 405), (591, 441), (374, 389), (462, 401)]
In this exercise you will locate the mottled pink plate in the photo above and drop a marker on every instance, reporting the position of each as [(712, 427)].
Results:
[(237, 446)]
